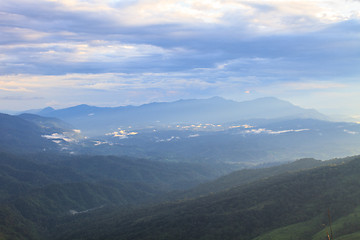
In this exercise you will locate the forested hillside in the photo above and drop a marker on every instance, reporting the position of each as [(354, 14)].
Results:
[(170, 182), (38, 189), (286, 206)]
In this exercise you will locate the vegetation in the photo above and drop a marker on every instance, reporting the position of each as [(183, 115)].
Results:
[(19, 135), (48, 190), (286, 206), (48, 195), (39, 189)]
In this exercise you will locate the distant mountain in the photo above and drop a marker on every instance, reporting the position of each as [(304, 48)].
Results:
[(100, 120), (33, 133), (19, 135), (36, 111), (238, 144), (47, 124)]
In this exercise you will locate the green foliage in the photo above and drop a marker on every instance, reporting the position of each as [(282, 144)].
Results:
[(298, 231), (104, 194), (343, 226), (14, 226), (38, 190), (245, 176), (21, 136), (295, 202), (353, 236)]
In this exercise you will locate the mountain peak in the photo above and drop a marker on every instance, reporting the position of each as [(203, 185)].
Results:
[(82, 106), (211, 110), (268, 100), (46, 110), (217, 98)]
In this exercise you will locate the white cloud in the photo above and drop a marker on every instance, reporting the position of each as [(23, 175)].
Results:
[(75, 52), (66, 52), (268, 131), (168, 139), (121, 134), (260, 16), (350, 132), (313, 85), (287, 131), (172, 11), (57, 137), (193, 135)]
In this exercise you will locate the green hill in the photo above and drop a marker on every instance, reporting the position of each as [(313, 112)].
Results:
[(19, 135), (48, 196), (245, 176), (39, 189), (291, 205)]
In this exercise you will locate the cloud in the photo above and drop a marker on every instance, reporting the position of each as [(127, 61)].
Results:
[(268, 131), (19, 98), (194, 135), (136, 51), (59, 37), (314, 85), (14, 89)]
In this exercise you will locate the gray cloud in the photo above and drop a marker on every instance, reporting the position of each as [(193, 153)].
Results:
[(234, 49), (20, 98)]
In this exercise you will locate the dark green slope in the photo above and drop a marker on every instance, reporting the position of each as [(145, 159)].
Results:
[(243, 212), (14, 226), (30, 216), (19, 135), (245, 176), (46, 123), (38, 190), (46, 204), (33, 194), (19, 175), (165, 175)]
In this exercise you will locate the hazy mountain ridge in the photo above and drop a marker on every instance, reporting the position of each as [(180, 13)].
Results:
[(47, 190), (18, 134), (52, 124), (42, 189), (250, 141), (212, 110), (33, 133), (241, 143)]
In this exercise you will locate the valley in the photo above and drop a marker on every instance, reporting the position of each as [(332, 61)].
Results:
[(179, 120), (257, 178)]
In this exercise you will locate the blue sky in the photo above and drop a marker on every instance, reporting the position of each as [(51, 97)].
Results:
[(62, 53)]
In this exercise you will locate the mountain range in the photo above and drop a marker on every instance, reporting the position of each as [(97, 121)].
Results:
[(285, 134), (289, 205), (191, 169), (26, 133), (93, 121), (73, 198)]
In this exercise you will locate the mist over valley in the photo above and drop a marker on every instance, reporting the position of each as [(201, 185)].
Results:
[(179, 120), (61, 168)]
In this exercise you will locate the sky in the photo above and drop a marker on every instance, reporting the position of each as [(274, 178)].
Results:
[(62, 53)]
